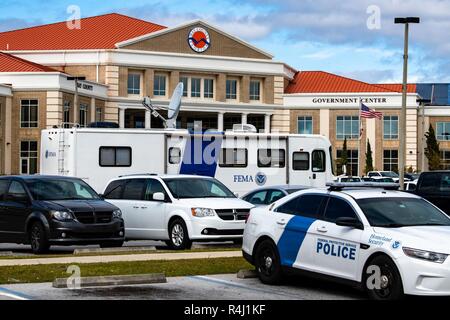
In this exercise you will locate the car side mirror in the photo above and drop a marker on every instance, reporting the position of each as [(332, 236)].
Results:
[(159, 196), (349, 222), (101, 196)]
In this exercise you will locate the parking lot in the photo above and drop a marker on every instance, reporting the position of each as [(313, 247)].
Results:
[(217, 287)]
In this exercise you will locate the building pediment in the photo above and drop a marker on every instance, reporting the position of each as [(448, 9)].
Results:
[(196, 38)]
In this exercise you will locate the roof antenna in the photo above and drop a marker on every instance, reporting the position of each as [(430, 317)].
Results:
[(172, 110)]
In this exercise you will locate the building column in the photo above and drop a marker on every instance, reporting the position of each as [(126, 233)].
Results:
[(220, 121), (267, 117), (7, 138), (244, 118), (92, 107), (148, 119), (122, 118)]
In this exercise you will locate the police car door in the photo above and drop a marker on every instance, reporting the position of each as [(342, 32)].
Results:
[(296, 218), (337, 247)]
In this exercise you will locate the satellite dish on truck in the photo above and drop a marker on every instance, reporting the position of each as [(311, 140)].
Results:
[(172, 111)]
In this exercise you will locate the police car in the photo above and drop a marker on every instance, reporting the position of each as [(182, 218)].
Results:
[(385, 241)]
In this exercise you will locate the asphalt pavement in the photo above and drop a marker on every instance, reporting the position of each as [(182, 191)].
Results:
[(216, 287)]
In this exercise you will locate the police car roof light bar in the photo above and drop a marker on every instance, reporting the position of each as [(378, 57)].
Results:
[(338, 186)]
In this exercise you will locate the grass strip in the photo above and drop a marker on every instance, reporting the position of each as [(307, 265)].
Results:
[(117, 253), (172, 268)]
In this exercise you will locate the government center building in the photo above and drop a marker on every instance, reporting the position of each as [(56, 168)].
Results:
[(226, 81)]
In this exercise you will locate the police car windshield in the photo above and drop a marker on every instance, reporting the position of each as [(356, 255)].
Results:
[(197, 188), (401, 212)]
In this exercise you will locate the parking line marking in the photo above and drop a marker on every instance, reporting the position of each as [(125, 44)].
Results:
[(14, 294), (237, 285)]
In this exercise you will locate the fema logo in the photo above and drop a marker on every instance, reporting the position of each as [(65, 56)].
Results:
[(396, 244), (49, 154), (199, 40), (46, 154), (260, 179)]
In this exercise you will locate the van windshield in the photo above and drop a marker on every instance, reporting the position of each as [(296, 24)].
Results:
[(60, 189), (197, 188)]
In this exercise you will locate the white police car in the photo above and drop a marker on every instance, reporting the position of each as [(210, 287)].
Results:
[(388, 242)]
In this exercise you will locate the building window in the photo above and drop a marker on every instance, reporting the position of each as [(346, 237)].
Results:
[(28, 157), (83, 114), (445, 159), (134, 83), (196, 87), (390, 160), (115, 157), (347, 127), (98, 114), (443, 131), (255, 90), (231, 119), (390, 127), (231, 89), (256, 120), (352, 162), (66, 114), (29, 114), (208, 88), (159, 85), (185, 81), (305, 125)]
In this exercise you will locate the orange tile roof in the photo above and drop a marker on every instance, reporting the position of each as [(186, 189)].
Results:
[(99, 32), (398, 87), (323, 82), (10, 63)]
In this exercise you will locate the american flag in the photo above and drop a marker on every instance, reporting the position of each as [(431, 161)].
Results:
[(368, 113)]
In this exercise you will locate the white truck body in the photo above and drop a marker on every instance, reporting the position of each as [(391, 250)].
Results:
[(80, 152)]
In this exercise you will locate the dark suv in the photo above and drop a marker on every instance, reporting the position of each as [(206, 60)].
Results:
[(52, 210)]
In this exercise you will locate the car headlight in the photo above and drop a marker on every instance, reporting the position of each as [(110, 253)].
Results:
[(62, 215), (203, 212), (425, 255), (117, 214)]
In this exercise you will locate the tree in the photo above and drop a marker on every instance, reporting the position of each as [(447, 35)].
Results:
[(369, 159), (432, 150), (344, 156)]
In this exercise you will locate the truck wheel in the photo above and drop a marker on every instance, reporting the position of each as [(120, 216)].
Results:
[(38, 238), (178, 234), (112, 244), (267, 263), (389, 286)]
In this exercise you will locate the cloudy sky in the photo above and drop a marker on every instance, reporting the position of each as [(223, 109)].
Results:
[(356, 38)]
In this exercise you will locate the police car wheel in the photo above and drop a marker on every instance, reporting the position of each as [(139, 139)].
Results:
[(389, 286), (267, 263), (179, 237)]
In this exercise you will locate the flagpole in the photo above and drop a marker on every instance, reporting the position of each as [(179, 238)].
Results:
[(359, 136)]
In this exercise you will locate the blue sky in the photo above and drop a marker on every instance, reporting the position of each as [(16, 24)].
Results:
[(329, 35)]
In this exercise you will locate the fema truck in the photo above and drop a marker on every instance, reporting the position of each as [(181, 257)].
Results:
[(240, 159)]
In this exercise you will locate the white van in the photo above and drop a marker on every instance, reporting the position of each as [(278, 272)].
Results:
[(243, 161), (178, 209)]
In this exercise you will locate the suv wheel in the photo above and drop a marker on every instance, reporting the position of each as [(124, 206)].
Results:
[(38, 238), (267, 263), (390, 282), (178, 234)]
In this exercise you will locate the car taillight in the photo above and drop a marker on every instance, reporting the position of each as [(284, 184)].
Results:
[(246, 218)]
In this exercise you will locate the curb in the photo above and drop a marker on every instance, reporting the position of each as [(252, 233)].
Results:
[(247, 274), (112, 250), (112, 280)]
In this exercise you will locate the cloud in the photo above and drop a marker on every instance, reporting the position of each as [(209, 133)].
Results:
[(13, 23)]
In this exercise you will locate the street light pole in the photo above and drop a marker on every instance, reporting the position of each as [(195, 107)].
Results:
[(402, 151)]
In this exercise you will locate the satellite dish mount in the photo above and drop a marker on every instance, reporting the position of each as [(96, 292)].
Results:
[(172, 111)]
